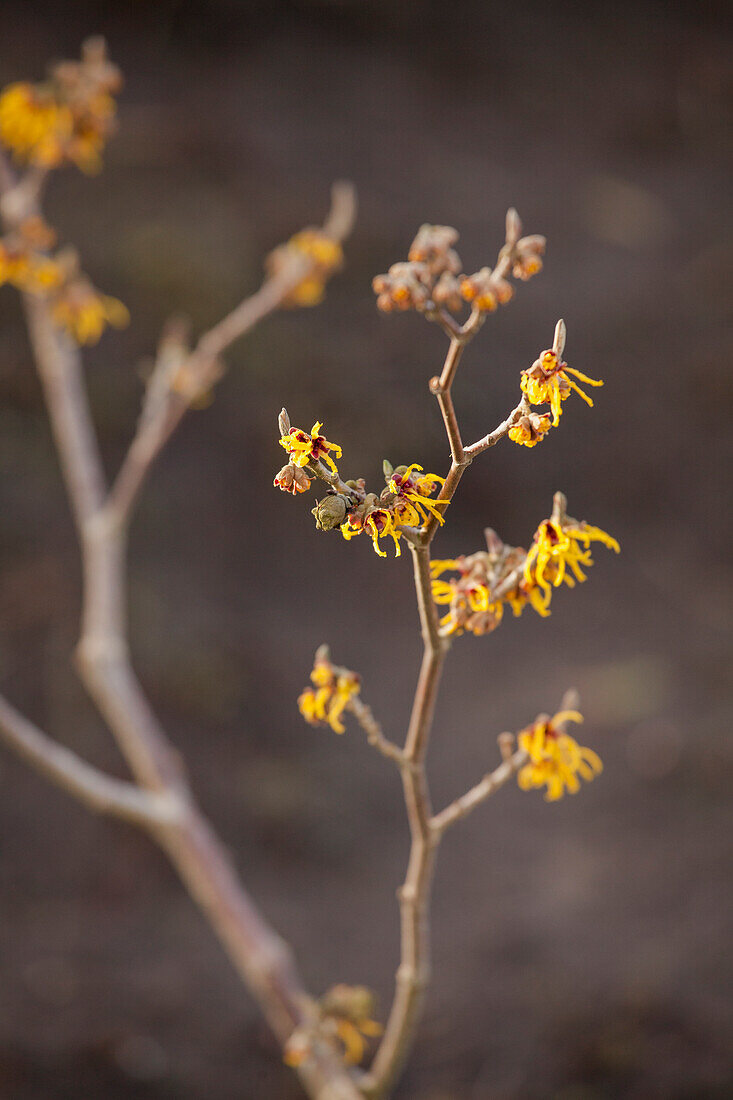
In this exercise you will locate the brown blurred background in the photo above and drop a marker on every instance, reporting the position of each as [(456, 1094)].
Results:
[(582, 950)]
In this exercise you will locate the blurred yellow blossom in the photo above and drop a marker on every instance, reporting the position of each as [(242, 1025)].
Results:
[(332, 689), (325, 256), (84, 312), (66, 119), (555, 759)]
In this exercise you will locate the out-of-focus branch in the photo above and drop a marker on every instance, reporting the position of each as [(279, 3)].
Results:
[(98, 791), (166, 407), (263, 960)]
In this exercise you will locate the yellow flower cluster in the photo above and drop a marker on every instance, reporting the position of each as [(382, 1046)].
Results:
[(555, 759), (404, 503), (67, 119), (333, 687), (547, 382), (486, 290), (559, 549), (324, 256)]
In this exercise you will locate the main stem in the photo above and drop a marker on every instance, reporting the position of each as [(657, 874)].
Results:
[(413, 973)]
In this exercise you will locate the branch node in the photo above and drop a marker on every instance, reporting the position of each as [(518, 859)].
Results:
[(99, 649)]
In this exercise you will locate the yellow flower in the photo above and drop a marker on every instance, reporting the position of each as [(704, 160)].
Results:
[(546, 381), (344, 1015), (379, 522), (85, 313), (332, 689), (529, 593), (530, 430), (33, 125), (555, 759), (413, 492), (469, 596), (556, 547), (304, 448)]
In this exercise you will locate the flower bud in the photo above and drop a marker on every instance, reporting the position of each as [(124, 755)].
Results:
[(355, 1002), (330, 512), (513, 226), (292, 479)]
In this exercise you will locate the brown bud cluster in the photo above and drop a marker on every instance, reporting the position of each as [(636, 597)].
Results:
[(433, 246), (447, 292), (486, 289), (405, 286), (430, 280), (432, 263)]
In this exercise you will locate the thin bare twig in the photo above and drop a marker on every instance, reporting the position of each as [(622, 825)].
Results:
[(512, 761), (478, 794), (498, 433), (374, 732), (202, 363)]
